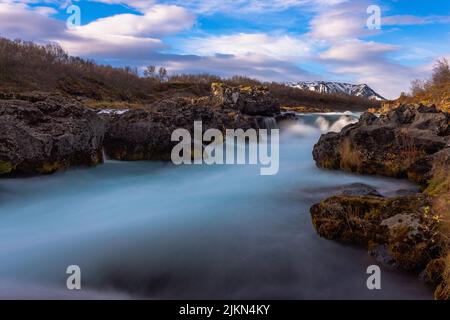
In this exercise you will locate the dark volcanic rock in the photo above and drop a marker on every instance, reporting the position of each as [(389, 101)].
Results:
[(146, 134), (353, 189), (409, 231), (251, 100), (400, 224), (45, 136), (389, 145)]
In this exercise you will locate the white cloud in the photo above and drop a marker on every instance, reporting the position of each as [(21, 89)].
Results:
[(276, 47), (17, 20), (251, 65), (155, 21), (353, 50), (335, 39), (141, 5), (234, 7), (125, 36)]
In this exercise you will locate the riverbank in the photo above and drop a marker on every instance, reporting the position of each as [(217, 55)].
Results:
[(409, 232)]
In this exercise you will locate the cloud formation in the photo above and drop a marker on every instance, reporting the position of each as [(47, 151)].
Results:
[(333, 41)]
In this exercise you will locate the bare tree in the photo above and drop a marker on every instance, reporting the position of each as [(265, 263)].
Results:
[(417, 87), (149, 72), (162, 74), (441, 72)]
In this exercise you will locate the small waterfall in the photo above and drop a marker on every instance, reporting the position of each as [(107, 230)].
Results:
[(326, 126), (104, 155), (270, 123)]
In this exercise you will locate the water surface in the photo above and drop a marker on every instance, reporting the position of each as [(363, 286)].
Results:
[(154, 230)]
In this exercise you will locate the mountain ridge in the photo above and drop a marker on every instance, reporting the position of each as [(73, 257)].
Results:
[(358, 90)]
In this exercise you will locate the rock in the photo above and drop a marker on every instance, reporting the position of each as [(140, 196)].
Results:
[(408, 231), (137, 135), (400, 224), (45, 136), (390, 145), (434, 271), (146, 134), (360, 189), (353, 189), (382, 255), (251, 100), (286, 119)]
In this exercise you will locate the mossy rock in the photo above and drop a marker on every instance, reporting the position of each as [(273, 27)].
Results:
[(6, 167), (434, 271), (48, 168)]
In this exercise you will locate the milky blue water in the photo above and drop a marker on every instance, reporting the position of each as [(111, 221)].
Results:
[(154, 230)]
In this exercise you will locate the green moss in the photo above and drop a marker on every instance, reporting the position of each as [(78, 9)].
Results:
[(373, 214), (5, 167), (440, 184), (48, 168)]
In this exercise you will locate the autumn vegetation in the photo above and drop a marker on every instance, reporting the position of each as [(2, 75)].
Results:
[(26, 67), (432, 91)]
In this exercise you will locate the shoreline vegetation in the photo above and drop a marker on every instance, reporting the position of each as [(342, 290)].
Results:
[(49, 105), (30, 71)]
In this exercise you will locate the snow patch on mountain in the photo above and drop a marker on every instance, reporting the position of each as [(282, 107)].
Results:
[(358, 90)]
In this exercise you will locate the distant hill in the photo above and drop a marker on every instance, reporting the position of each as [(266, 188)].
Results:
[(357, 90)]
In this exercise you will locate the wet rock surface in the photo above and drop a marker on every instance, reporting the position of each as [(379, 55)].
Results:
[(45, 136)]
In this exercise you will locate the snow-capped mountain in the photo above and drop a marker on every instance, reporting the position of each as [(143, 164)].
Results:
[(359, 90)]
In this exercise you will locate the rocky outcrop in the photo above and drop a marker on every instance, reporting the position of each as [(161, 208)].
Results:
[(410, 232), (390, 145), (403, 227), (251, 100), (45, 136), (146, 134)]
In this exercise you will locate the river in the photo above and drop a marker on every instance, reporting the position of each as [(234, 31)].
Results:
[(154, 230)]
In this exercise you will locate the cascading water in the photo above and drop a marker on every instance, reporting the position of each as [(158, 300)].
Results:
[(270, 123)]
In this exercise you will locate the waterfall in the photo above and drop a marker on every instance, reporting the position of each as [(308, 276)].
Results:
[(104, 155), (270, 123)]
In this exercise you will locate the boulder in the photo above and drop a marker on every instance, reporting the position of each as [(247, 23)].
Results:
[(251, 100), (399, 225), (390, 145), (45, 136), (146, 134)]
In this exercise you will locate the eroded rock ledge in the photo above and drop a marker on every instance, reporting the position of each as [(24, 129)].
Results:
[(146, 134), (410, 232), (45, 136)]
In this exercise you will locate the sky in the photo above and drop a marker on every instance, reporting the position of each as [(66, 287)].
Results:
[(278, 40)]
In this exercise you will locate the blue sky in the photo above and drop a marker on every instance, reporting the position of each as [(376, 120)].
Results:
[(279, 40)]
